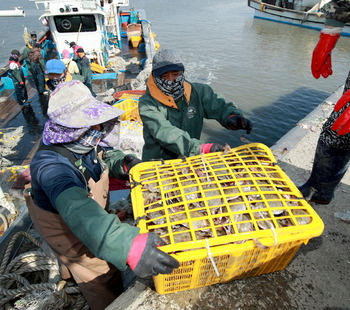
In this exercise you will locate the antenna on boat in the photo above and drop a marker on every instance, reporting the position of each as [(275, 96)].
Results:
[(79, 32)]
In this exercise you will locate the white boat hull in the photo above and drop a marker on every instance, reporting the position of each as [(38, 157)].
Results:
[(292, 17)]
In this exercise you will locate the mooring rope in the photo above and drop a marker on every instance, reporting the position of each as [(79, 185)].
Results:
[(4, 220), (19, 281)]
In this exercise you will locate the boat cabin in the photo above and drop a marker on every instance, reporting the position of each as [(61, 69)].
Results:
[(92, 24)]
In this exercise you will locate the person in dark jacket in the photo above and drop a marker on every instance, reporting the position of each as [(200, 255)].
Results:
[(37, 67), (332, 154), (17, 76), (84, 68), (69, 194), (173, 110), (56, 72)]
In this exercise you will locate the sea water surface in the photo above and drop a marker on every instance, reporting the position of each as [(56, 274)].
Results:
[(262, 66)]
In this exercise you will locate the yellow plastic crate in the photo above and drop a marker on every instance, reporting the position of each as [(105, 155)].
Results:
[(223, 216), (130, 106)]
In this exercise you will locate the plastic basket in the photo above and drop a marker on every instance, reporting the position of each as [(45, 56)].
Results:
[(128, 94), (130, 106), (224, 216)]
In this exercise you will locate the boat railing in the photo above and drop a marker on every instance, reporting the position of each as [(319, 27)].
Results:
[(147, 35)]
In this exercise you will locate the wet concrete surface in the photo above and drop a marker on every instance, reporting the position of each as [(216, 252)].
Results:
[(318, 276)]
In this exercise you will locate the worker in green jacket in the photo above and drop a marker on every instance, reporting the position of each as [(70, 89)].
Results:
[(19, 81), (173, 110), (69, 198)]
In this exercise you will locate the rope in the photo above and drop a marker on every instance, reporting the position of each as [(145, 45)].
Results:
[(20, 286), (11, 244), (4, 219)]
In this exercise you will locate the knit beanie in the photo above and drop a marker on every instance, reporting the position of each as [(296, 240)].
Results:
[(166, 60)]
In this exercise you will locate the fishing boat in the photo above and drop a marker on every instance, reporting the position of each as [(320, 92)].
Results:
[(117, 41), (302, 13)]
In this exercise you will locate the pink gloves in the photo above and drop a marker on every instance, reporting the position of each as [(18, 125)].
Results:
[(145, 259)]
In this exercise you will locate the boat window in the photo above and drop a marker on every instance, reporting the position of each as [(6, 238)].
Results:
[(71, 23)]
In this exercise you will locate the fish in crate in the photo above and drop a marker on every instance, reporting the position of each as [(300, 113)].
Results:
[(224, 215)]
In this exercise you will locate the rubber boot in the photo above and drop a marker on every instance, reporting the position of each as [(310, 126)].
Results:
[(330, 165)]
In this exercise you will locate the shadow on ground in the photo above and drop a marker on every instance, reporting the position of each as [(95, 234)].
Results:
[(317, 277)]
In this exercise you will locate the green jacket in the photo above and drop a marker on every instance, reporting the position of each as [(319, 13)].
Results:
[(58, 186), (173, 128), (25, 55)]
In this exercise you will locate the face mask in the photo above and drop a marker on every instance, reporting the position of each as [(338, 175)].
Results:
[(55, 82), (173, 89), (91, 138)]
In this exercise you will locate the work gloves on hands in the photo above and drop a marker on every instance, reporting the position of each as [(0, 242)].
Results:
[(321, 63), (236, 122), (129, 162), (342, 123), (145, 259), (210, 148)]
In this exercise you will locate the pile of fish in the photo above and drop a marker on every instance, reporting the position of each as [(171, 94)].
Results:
[(211, 196)]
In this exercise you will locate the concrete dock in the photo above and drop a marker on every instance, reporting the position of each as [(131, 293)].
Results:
[(318, 277)]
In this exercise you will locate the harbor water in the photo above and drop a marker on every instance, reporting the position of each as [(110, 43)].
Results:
[(262, 66)]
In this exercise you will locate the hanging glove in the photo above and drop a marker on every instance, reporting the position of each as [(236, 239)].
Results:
[(342, 123), (129, 162), (210, 148), (321, 63), (145, 259), (236, 122)]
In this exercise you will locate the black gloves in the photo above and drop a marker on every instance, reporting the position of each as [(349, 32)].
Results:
[(129, 162), (239, 122), (145, 259)]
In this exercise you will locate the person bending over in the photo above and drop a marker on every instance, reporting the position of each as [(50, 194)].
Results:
[(69, 193)]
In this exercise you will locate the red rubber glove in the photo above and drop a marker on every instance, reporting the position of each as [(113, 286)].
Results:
[(343, 100), (145, 259), (321, 63), (342, 123), (211, 148), (326, 69)]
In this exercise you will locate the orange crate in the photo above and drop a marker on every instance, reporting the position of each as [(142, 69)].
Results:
[(129, 94)]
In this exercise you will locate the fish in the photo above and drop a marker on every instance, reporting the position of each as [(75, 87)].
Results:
[(345, 217), (304, 219), (243, 139), (157, 216), (226, 148)]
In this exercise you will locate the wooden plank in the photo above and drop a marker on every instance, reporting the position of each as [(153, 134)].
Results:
[(10, 107), (30, 155)]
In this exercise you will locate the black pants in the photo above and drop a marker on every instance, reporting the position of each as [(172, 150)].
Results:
[(38, 76), (20, 91)]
